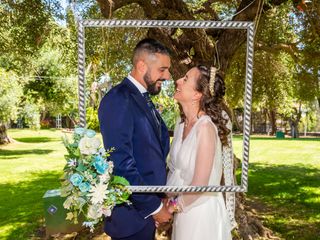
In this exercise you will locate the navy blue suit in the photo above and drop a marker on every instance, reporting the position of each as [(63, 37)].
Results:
[(127, 124)]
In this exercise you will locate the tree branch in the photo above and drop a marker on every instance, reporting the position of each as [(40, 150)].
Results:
[(109, 6), (289, 48)]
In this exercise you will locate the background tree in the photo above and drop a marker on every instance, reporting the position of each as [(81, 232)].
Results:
[(10, 93), (25, 26), (282, 28), (50, 87)]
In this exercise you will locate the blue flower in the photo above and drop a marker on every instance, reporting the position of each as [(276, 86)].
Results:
[(90, 133), (98, 158), (76, 179), (100, 164), (84, 187), (79, 131)]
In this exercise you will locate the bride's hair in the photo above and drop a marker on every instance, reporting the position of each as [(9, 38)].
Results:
[(213, 104)]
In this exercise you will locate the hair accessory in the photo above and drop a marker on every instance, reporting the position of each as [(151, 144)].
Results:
[(213, 71)]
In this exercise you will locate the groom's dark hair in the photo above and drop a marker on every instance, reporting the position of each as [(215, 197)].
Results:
[(149, 46)]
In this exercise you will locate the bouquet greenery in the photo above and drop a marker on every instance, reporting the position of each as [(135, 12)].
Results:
[(88, 184)]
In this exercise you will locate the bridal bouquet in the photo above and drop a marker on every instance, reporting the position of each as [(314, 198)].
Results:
[(88, 184)]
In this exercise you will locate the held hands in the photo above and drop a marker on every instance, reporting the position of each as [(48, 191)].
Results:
[(170, 206), (163, 215)]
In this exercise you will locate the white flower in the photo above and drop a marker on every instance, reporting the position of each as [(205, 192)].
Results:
[(72, 162), (89, 146), (104, 178), (110, 169), (68, 202), (102, 151), (88, 224), (98, 193), (94, 211), (106, 211)]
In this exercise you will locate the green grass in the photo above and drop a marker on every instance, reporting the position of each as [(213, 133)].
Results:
[(284, 182), (28, 168)]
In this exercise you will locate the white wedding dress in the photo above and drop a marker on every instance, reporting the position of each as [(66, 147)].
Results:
[(196, 160)]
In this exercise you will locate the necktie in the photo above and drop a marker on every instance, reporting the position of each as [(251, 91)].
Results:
[(154, 112)]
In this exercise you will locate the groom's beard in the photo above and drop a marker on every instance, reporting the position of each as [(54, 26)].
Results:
[(152, 87)]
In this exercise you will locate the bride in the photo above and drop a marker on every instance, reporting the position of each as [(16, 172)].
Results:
[(195, 158)]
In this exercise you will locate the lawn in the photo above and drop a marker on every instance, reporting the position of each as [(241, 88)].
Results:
[(284, 182), (28, 168)]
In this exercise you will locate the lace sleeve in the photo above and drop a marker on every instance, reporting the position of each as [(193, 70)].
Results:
[(228, 171), (206, 147)]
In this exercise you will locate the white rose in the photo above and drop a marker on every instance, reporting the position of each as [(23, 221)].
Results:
[(94, 212), (89, 146)]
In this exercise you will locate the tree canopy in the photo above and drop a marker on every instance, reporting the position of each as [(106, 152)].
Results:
[(42, 49)]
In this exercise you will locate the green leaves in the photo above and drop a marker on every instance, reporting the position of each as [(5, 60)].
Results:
[(10, 93), (117, 180), (81, 167)]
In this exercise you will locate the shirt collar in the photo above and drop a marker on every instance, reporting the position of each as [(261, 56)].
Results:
[(138, 85)]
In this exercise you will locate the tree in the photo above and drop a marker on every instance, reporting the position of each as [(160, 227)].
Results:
[(10, 93), (50, 87), (24, 28)]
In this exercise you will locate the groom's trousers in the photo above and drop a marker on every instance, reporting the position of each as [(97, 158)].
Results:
[(147, 233)]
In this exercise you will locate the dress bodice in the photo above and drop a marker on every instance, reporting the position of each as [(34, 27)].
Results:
[(183, 154)]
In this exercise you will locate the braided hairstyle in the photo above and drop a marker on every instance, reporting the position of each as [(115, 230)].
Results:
[(213, 104)]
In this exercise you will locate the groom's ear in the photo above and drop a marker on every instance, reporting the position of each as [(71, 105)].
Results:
[(141, 67)]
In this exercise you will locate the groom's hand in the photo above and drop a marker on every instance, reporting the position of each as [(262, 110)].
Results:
[(163, 215)]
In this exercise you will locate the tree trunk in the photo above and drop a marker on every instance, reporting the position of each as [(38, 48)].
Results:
[(43, 114), (265, 116), (4, 139), (272, 118), (235, 120)]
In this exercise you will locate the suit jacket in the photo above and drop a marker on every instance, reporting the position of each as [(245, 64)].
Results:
[(127, 124)]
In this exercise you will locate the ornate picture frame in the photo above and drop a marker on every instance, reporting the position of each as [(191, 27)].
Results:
[(249, 26)]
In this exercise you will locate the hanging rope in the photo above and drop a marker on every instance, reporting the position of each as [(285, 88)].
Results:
[(258, 15)]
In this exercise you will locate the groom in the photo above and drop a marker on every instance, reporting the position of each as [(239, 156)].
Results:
[(130, 123)]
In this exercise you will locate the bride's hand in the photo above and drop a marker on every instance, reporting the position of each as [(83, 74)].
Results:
[(171, 209), (165, 202)]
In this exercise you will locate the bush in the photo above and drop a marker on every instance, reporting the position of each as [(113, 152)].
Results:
[(31, 115), (92, 119)]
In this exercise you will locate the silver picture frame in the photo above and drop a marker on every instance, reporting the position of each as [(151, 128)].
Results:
[(249, 26)]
